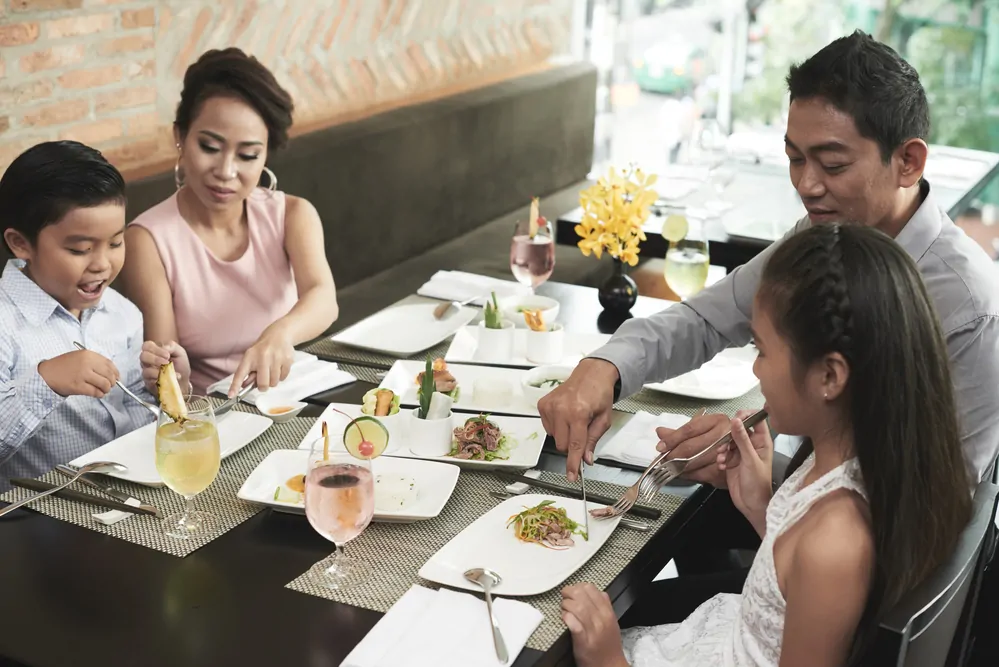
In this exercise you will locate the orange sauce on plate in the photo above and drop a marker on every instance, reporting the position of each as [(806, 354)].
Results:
[(281, 410)]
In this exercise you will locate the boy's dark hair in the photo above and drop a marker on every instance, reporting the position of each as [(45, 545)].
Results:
[(232, 73), (47, 181), (869, 81)]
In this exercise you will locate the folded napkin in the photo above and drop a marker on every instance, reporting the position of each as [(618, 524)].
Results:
[(636, 441), (309, 376), (444, 628), (459, 286)]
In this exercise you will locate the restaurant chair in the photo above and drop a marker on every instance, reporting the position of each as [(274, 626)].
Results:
[(931, 625)]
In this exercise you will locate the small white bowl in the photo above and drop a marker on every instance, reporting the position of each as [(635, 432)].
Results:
[(512, 307), (534, 394), (278, 409)]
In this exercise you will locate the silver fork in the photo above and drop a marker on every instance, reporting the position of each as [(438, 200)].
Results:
[(148, 406), (656, 475)]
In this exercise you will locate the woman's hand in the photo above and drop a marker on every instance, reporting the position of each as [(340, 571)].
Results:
[(596, 637), (748, 465), (270, 358), (154, 355)]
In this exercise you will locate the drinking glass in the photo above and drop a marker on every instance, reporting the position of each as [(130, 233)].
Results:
[(188, 459), (339, 503), (687, 262), (710, 151), (532, 260)]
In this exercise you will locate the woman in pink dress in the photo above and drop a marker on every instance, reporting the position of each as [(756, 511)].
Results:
[(229, 267)]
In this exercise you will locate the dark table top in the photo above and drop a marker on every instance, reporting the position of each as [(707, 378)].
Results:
[(73, 596)]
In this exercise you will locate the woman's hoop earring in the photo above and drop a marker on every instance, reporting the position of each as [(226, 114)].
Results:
[(178, 178), (271, 179)]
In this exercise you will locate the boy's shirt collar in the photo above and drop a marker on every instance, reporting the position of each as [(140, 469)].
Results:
[(35, 304)]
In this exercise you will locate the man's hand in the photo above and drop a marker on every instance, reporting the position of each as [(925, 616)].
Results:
[(79, 373), (578, 412)]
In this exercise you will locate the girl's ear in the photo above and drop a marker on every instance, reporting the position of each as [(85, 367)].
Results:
[(835, 373)]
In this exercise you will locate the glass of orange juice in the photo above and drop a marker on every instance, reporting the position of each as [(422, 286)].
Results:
[(188, 458)]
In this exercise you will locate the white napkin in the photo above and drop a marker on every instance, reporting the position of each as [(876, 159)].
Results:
[(636, 441), (112, 517), (459, 286), (309, 375), (444, 628)]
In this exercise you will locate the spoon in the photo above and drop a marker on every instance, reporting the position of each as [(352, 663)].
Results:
[(96, 466), (486, 579), (149, 406), (445, 308)]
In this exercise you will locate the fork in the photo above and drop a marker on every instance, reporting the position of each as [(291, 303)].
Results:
[(148, 406), (656, 475)]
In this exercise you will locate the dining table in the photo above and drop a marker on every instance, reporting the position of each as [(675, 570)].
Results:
[(76, 596)]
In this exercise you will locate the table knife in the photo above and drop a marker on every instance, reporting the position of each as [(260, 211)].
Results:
[(638, 510), (104, 488), (39, 485)]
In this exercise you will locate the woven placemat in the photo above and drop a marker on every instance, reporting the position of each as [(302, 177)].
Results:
[(331, 351), (219, 499), (658, 402), (364, 373), (413, 544)]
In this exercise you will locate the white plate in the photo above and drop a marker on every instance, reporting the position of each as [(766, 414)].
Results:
[(401, 379), (434, 483), (309, 375), (403, 330), (137, 449), (575, 346), (526, 569), (727, 376), (527, 432)]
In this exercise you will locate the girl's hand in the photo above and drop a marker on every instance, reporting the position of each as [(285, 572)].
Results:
[(748, 465), (270, 358), (596, 637)]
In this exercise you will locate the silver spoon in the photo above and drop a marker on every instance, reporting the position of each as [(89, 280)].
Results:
[(487, 579), (96, 466), (149, 406)]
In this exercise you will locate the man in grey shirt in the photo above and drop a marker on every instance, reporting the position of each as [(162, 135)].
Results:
[(856, 143)]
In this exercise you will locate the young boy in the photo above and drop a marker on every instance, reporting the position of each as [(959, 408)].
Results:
[(62, 209)]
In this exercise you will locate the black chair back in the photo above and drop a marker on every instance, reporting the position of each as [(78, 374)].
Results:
[(931, 625)]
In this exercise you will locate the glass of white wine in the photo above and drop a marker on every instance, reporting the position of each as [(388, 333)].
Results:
[(188, 458), (687, 262)]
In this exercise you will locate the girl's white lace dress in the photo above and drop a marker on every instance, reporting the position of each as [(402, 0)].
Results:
[(742, 630)]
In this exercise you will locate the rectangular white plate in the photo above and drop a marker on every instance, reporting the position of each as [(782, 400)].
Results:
[(526, 569), (575, 346), (137, 449), (403, 330), (401, 379), (434, 482), (727, 376), (527, 433)]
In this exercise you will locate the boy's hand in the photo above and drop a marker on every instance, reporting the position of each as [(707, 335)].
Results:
[(79, 373), (155, 355)]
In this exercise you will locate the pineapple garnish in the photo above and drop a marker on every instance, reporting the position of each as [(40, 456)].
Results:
[(170, 394), (534, 218)]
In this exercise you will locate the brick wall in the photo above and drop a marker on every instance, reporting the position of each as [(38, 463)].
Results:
[(109, 72)]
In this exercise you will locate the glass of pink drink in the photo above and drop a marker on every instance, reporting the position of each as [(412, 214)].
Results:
[(339, 503), (532, 260)]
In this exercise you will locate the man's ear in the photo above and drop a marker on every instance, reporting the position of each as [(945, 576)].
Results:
[(912, 160)]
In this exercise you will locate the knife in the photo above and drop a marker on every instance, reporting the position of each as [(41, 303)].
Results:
[(638, 510), (106, 489), (38, 485), (626, 521)]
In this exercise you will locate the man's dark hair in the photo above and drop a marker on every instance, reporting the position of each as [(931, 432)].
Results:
[(869, 81), (47, 181)]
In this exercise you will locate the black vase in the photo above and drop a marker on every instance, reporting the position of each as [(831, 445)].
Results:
[(620, 292)]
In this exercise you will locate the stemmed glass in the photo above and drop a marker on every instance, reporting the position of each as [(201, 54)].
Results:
[(187, 459), (532, 260), (687, 262), (711, 151), (339, 503)]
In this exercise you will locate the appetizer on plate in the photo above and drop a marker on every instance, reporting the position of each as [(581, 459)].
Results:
[(480, 440), (546, 525), (546, 384), (444, 382), (380, 403)]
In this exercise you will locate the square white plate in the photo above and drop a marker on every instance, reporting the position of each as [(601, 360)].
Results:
[(727, 376), (526, 569), (137, 449), (403, 330), (401, 379), (434, 483), (575, 346), (527, 432)]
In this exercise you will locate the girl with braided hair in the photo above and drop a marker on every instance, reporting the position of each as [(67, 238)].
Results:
[(852, 359)]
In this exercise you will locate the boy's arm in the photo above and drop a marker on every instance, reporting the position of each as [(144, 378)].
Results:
[(25, 400)]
